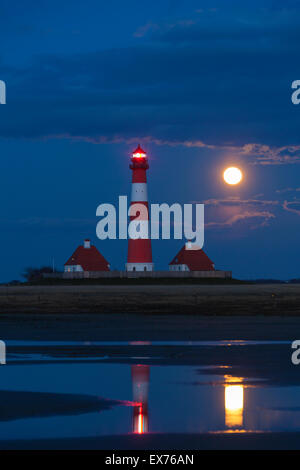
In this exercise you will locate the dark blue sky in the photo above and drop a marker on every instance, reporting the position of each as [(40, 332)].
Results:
[(201, 84)]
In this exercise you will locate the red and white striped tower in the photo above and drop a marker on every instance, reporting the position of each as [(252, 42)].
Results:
[(139, 249)]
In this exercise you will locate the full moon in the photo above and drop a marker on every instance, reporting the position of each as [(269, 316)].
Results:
[(232, 175)]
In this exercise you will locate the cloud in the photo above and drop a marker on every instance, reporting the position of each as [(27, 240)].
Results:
[(266, 155), (226, 212), (257, 154), (212, 82), (234, 201), (246, 215), (160, 29), (229, 211), (246, 25), (289, 206), (48, 222), (143, 30), (287, 190)]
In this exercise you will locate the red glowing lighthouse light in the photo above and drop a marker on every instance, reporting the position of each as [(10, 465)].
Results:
[(139, 153)]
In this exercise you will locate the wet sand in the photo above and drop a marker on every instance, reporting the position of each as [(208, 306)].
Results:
[(229, 299), (213, 441), (261, 363), (152, 313), (258, 365), (135, 327), (20, 405), (269, 364)]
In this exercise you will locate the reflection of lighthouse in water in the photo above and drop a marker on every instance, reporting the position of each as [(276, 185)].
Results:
[(234, 398), (140, 384)]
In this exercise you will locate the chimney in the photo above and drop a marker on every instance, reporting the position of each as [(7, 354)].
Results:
[(87, 243)]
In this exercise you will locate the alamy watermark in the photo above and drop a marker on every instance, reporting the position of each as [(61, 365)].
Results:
[(296, 94), (296, 354), (2, 352), (160, 220), (2, 92)]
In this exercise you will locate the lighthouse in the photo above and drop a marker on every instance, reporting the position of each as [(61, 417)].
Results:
[(139, 244)]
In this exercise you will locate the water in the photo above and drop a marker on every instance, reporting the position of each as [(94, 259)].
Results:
[(67, 390)]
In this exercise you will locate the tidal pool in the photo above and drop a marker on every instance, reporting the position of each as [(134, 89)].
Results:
[(89, 390)]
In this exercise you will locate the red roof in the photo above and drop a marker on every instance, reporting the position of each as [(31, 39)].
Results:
[(139, 150), (90, 259), (196, 260)]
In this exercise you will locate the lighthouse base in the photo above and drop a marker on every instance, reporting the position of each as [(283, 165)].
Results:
[(139, 267)]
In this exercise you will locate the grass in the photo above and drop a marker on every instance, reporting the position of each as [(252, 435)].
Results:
[(134, 281)]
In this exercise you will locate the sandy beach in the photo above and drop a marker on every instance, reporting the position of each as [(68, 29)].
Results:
[(72, 350), (246, 299)]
